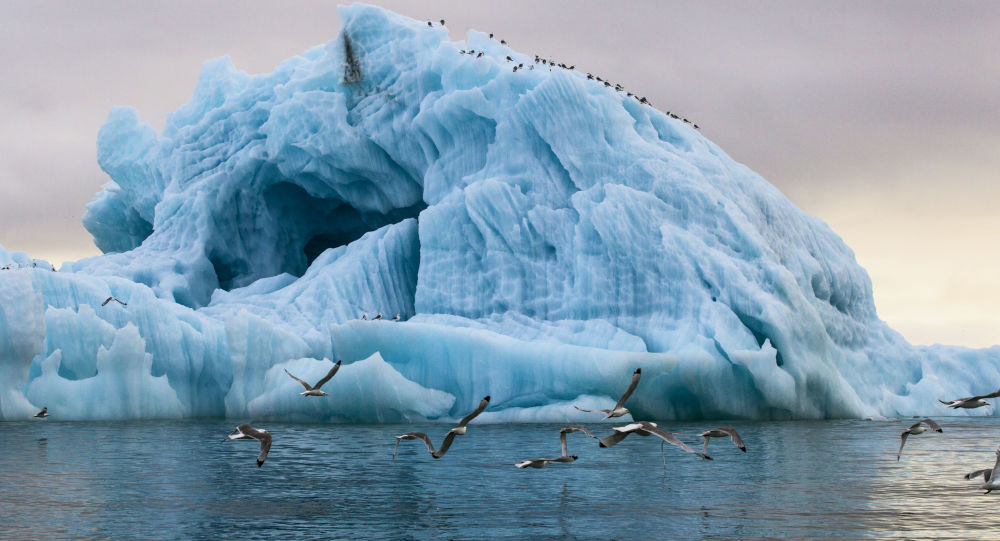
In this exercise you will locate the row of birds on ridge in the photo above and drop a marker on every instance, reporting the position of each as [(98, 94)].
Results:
[(550, 63)]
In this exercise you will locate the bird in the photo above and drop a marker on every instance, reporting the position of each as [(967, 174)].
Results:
[(479, 55), (916, 428), (645, 428), (722, 432), (442, 22), (970, 402), (245, 431), (565, 457), (620, 408), (43, 414), (313, 390), (509, 59), (991, 476), (539, 462), (429, 23), (458, 430), (395, 317), (364, 315), (379, 316), (109, 299), (567, 430), (502, 42)]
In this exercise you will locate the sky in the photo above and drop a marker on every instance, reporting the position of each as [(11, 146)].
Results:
[(880, 118)]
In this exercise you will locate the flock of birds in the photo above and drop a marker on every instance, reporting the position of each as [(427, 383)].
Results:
[(550, 63)]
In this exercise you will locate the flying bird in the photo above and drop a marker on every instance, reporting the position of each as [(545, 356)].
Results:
[(620, 408), (567, 430), (991, 476), (43, 414), (458, 430), (723, 432), (109, 299), (970, 402), (916, 428), (245, 431), (313, 390), (645, 428), (565, 457)]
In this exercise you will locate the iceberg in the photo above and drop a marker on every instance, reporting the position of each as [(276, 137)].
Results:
[(539, 234)]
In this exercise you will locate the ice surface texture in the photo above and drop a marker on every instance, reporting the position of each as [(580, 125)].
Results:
[(542, 235)]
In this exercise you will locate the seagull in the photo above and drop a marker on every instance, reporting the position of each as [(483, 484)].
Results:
[(313, 390), (395, 317), (971, 401), (620, 408), (43, 414), (916, 428), (722, 432), (645, 428), (245, 431), (565, 457), (109, 299), (459, 430), (991, 476), (379, 316)]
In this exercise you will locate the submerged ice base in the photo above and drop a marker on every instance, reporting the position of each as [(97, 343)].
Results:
[(540, 235)]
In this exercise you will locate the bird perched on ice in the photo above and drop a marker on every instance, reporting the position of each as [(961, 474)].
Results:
[(970, 402), (991, 476), (245, 431), (620, 408), (43, 414), (395, 317), (109, 299), (723, 432), (459, 430), (916, 428), (378, 316), (313, 390)]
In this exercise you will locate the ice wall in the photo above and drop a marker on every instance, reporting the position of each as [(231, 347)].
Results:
[(537, 231)]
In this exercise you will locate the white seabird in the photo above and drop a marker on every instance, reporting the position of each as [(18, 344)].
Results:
[(109, 299), (43, 414), (991, 476), (916, 428), (620, 408), (970, 402), (245, 431), (723, 432), (565, 457), (645, 428), (458, 430), (313, 390)]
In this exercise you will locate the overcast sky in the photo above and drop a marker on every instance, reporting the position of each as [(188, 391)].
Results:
[(881, 118)]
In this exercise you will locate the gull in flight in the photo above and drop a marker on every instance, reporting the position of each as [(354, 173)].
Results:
[(459, 430), (645, 428), (620, 408), (971, 401), (245, 431), (109, 299), (991, 476), (723, 432), (313, 390), (565, 457), (43, 414), (916, 428)]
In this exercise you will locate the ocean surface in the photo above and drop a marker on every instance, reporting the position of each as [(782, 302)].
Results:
[(178, 480)]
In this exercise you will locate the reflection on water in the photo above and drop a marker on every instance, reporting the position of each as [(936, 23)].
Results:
[(158, 480)]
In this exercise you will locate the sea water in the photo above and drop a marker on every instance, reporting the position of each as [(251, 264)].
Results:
[(179, 480)]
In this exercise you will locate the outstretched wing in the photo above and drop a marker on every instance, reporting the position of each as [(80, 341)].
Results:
[(413, 436), (735, 436), (593, 411), (479, 409), (576, 428), (929, 422), (616, 436), (304, 384), (671, 439), (444, 445), (265, 446), (328, 375), (902, 442), (977, 473), (994, 394), (631, 387), (106, 301)]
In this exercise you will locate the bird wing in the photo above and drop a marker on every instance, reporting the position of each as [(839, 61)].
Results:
[(444, 445), (992, 474), (735, 436), (994, 394), (631, 387), (902, 442), (106, 301), (593, 411), (413, 436), (265, 446), (671, 439), (613, 438), (576, 428), (977, 473), (950, 403), (304, 384), (328, 375), (479, 409), (929, 422), (562, 442)]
